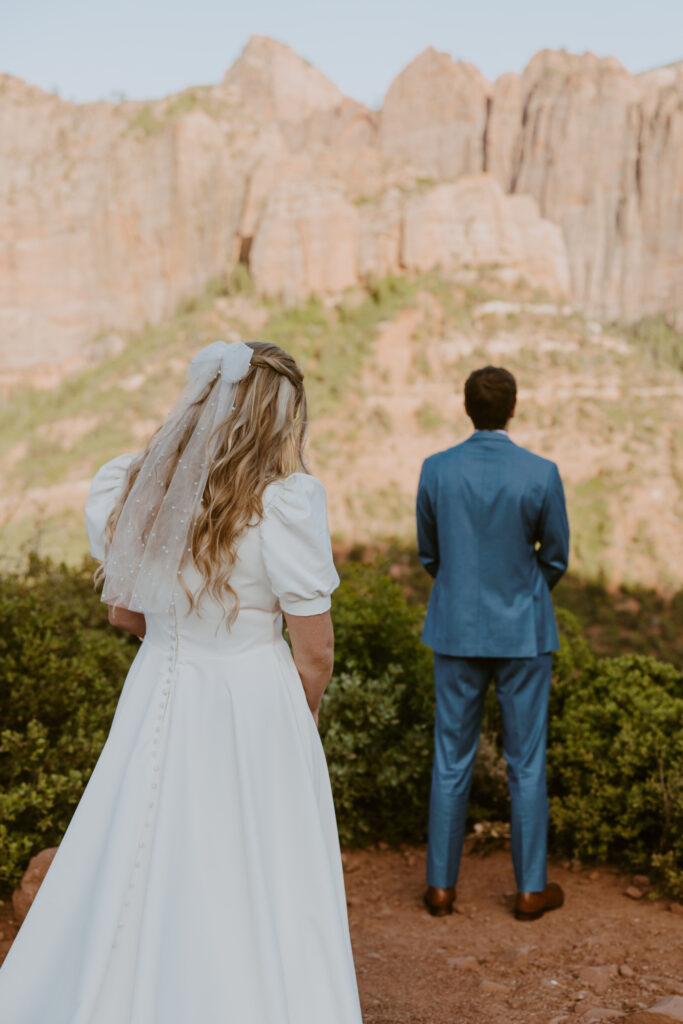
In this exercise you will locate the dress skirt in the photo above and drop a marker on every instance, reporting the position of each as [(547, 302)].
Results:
[(200, 879)]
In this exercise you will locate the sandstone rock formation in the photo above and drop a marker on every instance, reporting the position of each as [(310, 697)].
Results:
[(434, 115), (380, 235), (473, 222), (32, 879), (273, 83), (107, 219), (112, 213), (602, 152), (307, 240)]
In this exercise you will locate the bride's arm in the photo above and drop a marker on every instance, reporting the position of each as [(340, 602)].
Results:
[(132, 622), (312, 639)]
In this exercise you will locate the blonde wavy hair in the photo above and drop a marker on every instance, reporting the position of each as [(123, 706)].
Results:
[(262, 440)]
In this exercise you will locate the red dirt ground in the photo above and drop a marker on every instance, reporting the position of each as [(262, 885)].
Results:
[(480, 966), (412, 967)]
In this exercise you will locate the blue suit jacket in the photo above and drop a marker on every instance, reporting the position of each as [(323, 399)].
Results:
[(492, 529)]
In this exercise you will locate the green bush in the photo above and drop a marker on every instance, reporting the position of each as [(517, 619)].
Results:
[(658, 340), (376, 718), (615, 760), (62, 670)]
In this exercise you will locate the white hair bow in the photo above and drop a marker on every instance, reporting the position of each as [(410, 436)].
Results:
[(230, 360)]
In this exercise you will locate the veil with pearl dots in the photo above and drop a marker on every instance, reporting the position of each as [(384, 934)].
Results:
[(152, 537)]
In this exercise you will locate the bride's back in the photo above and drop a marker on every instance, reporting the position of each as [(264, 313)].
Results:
[(282, 563), (202, 628)]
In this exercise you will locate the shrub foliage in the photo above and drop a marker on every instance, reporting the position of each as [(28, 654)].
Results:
[(615, 761), (615, 754), (376, 715), (62, 668)]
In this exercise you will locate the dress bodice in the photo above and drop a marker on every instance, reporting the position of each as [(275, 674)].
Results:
[(283, 563)]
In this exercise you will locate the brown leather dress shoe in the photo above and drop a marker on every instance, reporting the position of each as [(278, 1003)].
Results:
[(439, 902), (529, 906)]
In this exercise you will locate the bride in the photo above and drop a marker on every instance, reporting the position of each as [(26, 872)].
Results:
[(200, 879)]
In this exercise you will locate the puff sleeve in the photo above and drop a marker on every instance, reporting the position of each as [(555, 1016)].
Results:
[(296, 544), (104, 490)]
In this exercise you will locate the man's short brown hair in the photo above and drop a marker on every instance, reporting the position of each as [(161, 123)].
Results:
[(490, 396)]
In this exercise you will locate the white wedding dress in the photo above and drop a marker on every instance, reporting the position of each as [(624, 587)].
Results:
[(200, 878)]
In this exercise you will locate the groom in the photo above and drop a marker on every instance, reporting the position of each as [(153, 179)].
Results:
[(493, 532)]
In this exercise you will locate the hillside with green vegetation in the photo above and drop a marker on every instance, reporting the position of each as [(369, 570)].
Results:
[(385, 365)]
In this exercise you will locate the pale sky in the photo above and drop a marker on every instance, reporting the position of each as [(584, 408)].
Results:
[(92, 49)]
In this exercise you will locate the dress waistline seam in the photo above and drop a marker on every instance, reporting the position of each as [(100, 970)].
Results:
[(182, 652)]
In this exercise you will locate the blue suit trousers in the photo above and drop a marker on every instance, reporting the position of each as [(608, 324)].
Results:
[(522, 689)]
